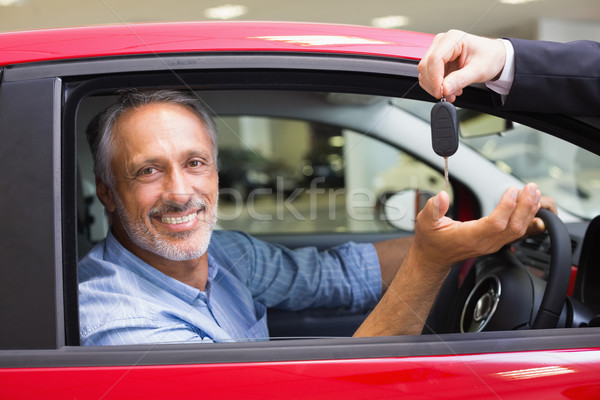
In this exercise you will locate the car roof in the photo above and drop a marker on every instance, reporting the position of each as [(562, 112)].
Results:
[(219, 36)]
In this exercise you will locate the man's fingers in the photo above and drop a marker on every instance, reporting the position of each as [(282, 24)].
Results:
[(444, 241), (431, 75), (515, 211), (513, 214), (455, 81), (548, 203), (501, 214), (435, 209), (528, 204), (536, 227), (444, 49), (456, 60)]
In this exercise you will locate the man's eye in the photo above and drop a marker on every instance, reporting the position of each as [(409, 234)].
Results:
[(195, 163), (146, 171)]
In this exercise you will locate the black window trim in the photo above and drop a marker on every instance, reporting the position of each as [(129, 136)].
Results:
[(212, 60), (31, 308)]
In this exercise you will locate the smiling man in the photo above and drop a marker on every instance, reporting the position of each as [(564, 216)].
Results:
[(162, 275), (166, 188)]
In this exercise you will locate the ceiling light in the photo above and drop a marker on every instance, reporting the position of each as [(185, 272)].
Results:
[(227, 11), (336, 141), (8, 3), (390, 21)]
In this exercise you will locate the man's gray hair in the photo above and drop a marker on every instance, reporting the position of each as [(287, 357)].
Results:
[(100, 130)]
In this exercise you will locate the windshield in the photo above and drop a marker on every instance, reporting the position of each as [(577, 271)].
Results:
[(562, 170), (568, 173)]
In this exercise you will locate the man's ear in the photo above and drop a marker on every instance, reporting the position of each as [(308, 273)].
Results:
[(105, 194)]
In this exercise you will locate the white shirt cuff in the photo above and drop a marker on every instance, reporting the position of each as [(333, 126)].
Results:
[(503, 84)]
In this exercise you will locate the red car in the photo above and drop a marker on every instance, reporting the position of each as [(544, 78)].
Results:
[(286, 91)]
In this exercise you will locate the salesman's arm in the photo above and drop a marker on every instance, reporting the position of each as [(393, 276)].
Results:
[(552, 77), (547, 77)]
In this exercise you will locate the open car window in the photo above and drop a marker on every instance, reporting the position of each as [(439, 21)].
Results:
[(313, 168), (293, 163)]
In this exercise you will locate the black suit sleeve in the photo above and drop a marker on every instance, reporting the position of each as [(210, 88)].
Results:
[(555, 77)]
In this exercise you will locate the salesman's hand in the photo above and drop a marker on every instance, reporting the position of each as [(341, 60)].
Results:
[(457, 59)]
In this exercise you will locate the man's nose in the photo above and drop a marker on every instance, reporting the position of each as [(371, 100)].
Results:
[(177, 189)]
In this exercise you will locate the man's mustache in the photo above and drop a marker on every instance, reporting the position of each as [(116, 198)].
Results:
[(171, 207)]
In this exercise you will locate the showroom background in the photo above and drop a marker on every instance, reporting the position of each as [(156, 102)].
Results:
[(531, 19)]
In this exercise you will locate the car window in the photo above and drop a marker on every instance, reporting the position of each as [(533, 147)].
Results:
[(290, 176), (562, 170), (328, 166), (570, 174), (305, 163)]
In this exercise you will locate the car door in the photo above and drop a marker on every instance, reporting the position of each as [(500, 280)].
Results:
[(45, 217)]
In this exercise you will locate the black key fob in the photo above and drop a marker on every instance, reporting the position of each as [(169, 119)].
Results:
[(444, 129)]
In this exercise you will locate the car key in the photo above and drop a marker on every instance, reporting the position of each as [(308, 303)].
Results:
[(444, 132)]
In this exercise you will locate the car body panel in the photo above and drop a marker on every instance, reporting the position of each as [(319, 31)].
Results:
[(153, 39), (503, 375)]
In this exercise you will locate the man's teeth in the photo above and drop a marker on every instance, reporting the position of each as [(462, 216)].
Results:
[(178, 220)]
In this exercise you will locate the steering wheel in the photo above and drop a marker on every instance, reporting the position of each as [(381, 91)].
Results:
[(506, 296)]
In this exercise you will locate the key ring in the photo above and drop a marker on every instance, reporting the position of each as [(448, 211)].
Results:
[(443, 97)]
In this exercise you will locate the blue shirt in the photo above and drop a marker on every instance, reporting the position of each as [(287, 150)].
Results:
[(123, 300)]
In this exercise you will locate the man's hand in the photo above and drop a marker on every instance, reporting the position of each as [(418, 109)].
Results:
[(439, 243), (443, 242), (537, 226), (457, 59)]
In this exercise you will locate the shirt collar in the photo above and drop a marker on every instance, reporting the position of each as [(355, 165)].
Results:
[(117, 254)]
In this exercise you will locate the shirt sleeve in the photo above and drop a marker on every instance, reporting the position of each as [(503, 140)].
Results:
[(348, 275), (141, 331), (503, 84)]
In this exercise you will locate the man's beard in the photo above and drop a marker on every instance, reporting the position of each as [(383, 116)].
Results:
[(154, 242)]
